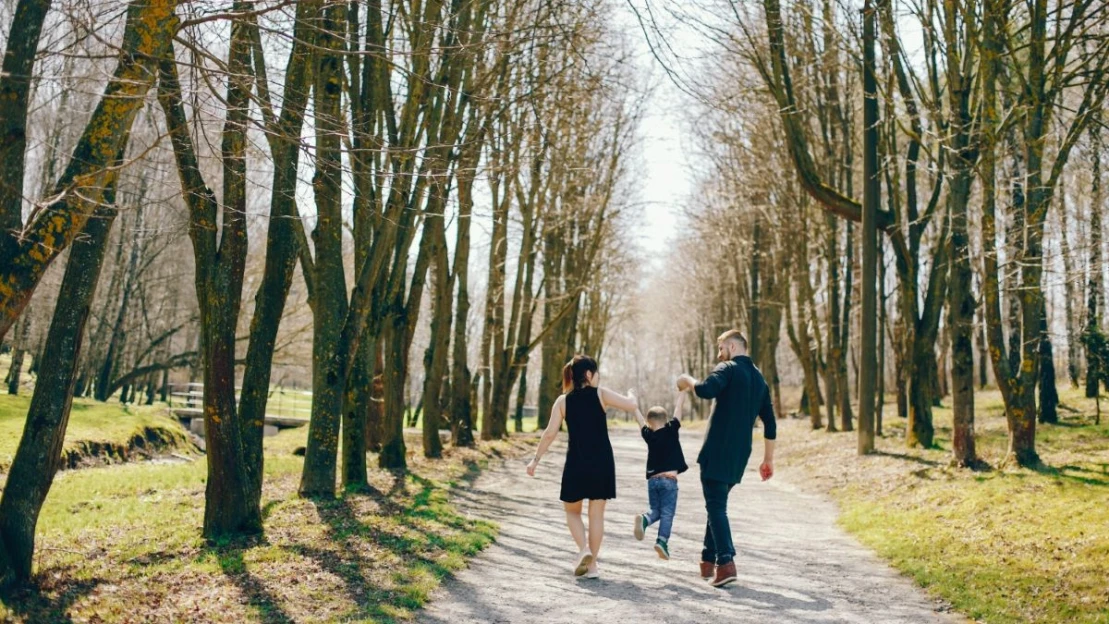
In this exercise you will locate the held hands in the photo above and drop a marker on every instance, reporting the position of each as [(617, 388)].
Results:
[(686, 382), (766, 470)]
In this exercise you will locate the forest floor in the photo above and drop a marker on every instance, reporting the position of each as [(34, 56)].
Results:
[(795, 564), (1004, 544), (122, 544)]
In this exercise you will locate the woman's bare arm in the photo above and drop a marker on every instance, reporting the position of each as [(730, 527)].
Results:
[(558, 413), (618, 401)]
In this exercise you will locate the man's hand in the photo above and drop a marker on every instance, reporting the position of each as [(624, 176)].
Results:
[(686, 382), (534, 463), (766, 470)]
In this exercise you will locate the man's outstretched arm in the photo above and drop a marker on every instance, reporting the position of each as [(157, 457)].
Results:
[(711, 387)]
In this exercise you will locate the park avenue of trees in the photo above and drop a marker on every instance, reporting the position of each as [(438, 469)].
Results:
[(332, 164), (420, 209), (968, 134)]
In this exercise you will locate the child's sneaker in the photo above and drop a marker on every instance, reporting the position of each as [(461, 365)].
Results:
[(641, 523), (662, 549)]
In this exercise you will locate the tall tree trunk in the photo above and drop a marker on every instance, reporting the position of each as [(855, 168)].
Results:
[(357, 400), (492, 336), (872, 192), (375, 413), (900, 376), (220, 266), (15, 93), (880, 392), (1070, 295), (38, 456), (146, 39), (1049, 395), (393, 452), (960, 303), (960, 309), (1095, 267), (461, 407), (843, 392), (435, 358), (281, 242), (941, 375), (117, 336), (754, 317), (329, 279), (832, 382), (521, 397), (22, 340), (983, 358)]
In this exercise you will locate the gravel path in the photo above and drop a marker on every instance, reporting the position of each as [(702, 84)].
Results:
[(795, 564)]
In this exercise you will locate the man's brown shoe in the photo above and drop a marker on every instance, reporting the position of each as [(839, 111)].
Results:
[(724, 574), (708, 570)]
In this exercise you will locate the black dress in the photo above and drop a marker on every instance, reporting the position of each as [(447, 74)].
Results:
[(590, 469)]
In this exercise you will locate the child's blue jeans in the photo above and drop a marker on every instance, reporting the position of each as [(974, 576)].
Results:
[(663, 496)]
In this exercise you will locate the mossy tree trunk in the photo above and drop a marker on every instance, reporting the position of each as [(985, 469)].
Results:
[(962, 91), (284, 131), (150, 27), (329, 286), (1047, 71), (38, 456), (219, 236), (15, 92)]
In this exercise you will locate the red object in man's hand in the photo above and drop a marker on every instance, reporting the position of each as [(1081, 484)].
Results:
[(766, 471)]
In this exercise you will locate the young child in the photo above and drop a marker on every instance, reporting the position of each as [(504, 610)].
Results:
[(665, 462)]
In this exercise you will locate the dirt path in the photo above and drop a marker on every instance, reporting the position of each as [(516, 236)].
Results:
[(795, 564)]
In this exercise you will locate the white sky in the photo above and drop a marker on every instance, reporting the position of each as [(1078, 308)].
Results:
[(665, 156)]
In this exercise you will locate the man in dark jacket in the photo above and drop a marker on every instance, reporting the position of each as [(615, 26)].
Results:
[(741, 395)]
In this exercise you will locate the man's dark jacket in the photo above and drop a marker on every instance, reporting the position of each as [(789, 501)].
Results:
[(741, 395)]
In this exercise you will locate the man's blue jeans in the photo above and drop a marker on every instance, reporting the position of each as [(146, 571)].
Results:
[(718, 534), (663, 495)]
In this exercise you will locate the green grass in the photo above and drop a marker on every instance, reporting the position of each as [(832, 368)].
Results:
[(123, 543), (88, 421), (1006, 544)]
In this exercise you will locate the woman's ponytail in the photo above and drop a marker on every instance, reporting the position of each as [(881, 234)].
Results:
[(574, 373)]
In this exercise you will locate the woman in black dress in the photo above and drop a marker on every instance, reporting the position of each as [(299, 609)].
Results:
[(590, 470)]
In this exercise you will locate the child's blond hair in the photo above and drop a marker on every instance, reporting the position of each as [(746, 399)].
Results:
[(658, 416)]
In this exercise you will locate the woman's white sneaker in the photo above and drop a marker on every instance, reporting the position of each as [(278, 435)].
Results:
[(585, 559)]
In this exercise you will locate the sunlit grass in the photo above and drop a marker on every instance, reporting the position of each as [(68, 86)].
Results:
[(1006, 544), (88, 421), (120, 541)]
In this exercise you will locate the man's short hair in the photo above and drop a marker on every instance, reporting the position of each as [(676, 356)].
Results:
[(658, 415), (735, 336)]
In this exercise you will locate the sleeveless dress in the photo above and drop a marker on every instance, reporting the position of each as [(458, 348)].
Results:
[(590, 469)]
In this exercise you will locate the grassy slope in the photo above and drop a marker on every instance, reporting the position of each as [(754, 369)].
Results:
[(88, 421), (123, 544), (1003, 545)]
